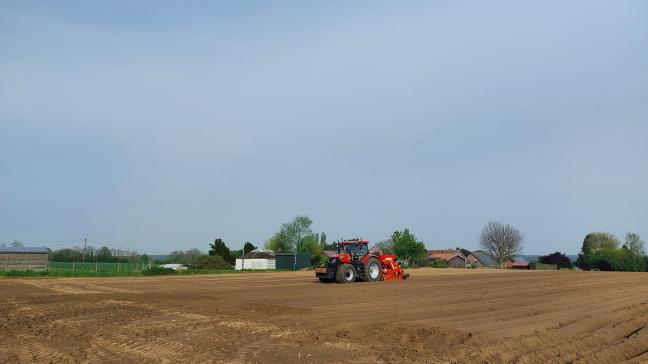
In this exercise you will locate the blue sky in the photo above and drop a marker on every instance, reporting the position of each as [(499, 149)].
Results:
[(163, 125)]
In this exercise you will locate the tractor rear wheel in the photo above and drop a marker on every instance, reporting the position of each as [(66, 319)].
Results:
[(372, 271), (345, 273)]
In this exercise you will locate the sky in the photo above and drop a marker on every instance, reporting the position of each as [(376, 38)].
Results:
[(160, 125)]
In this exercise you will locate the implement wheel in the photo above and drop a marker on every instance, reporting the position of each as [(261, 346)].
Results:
[(372, 270), (345, 273)]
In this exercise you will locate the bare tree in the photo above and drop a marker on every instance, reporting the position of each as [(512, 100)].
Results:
[(502, 241)]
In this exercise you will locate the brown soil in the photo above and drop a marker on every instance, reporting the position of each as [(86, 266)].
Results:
[(448, 316)]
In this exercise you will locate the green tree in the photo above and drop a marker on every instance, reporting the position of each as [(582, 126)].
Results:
[(557, 258), (211, 262), (501, 241), (65, 255), (104, 255), (248, 247), (219, 248), (592, 242), (635, 252), (291, 235), (278, 243), (406, 246)]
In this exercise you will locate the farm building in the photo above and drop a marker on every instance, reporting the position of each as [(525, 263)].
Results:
[(517, 263), (257, 259), (485, 260), (23, 258), (453, 257)]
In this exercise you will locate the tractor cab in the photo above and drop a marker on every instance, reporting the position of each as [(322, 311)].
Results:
[(355, 249)]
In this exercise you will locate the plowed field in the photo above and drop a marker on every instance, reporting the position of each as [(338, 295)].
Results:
[(446, 315)]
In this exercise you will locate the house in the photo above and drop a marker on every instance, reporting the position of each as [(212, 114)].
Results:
[(472, 261), (517, 263), (23, 258), (454, 257), (485, 259)]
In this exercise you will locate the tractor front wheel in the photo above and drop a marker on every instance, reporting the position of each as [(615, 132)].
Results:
[(345, 273), (372, 270)]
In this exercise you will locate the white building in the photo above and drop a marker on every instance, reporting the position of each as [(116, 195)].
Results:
[(257, 260)]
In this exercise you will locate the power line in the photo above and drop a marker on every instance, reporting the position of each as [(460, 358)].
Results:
[(126, 248)]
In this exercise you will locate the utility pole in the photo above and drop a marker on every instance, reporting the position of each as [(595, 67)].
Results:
[(85, 241)]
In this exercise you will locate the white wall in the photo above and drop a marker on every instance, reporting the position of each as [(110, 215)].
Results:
[(256, 264)]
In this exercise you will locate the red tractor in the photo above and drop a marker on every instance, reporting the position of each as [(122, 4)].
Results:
[(353, 261)]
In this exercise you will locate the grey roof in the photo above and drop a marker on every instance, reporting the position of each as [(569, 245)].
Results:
[(24, 250), (257, 254), (485, 258)]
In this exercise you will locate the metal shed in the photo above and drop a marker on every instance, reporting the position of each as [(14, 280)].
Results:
[(292, 261), (23, 258)]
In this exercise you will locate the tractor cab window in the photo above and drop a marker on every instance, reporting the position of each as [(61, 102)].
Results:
[(357, 249)]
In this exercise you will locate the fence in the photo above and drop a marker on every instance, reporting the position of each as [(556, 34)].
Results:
[(23, 261), (540, 266), (99, 267)]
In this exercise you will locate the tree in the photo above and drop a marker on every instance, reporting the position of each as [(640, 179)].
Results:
[(501, 241), (593, 241), (278, 243), (323, 239), (634, 244), (406, 246), (219, 248), (296, 230), (557, 258), (291, 235), (192, 254), (248, 247), (635, 252), (104, 255), (65, 255), (211, 262), (16, 244), (385, 246)]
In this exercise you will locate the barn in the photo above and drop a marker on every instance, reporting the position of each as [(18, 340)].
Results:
[(257, 259), (21, 258), (454, 258)]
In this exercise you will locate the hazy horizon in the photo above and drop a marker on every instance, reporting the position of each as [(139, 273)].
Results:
[(160, 126)]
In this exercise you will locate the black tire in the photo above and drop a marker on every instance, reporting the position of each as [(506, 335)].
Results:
[(345, 273), (372, 270)]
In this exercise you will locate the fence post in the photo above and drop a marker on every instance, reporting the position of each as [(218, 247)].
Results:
[(73, 267), (149, 263), (96, 267), (118, 266), (27, 261)]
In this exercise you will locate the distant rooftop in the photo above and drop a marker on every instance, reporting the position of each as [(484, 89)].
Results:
[(23, 250)]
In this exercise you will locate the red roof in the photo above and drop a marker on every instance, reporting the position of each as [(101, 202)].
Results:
[(520, 264), (445, 256)]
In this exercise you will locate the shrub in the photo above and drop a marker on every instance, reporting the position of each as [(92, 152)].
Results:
[(211, 262), (557, 258), (157, 271)]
